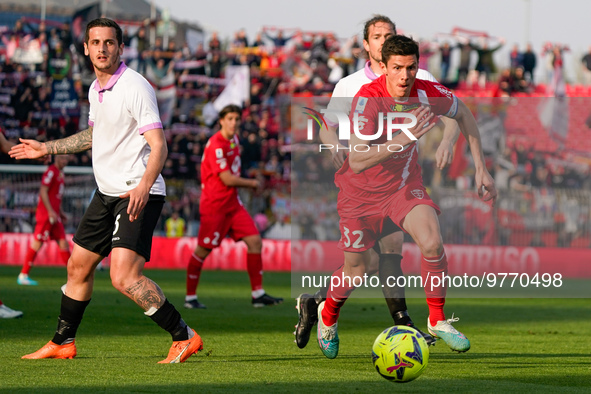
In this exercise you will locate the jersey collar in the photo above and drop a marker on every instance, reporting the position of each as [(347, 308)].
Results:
[(112, 81), (369, 72)]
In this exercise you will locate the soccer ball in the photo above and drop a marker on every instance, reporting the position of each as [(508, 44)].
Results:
[(400, 354)]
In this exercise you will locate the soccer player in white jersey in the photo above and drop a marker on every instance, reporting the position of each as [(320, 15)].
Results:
[(388, 254), (128, 153)]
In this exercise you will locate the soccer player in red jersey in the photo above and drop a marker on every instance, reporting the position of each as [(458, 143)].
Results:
[(222, 212), (49, 218), (379, 182), (387, 259)]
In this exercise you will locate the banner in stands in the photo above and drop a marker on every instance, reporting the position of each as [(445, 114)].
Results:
[(318, 256), (63, 95)]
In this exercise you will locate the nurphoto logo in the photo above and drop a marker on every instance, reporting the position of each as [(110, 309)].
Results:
[(391, 119)]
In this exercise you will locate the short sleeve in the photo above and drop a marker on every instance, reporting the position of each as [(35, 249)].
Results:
[(91, 115), (339, 102), (218, 156), (444, 102), (143, 106), (426, 76)]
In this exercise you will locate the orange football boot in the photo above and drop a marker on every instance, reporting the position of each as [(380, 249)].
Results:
[(52, 350), (180, 351)]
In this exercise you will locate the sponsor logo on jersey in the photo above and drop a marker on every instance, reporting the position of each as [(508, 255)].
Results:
[(443, 90), (404, 107), (418, 193), (223, 163), (361, 103)]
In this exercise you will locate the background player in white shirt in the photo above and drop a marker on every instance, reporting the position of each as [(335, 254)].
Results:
[(387, 262), (128, 153)]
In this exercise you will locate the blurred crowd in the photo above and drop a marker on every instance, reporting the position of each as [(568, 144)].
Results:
[(45, 77)]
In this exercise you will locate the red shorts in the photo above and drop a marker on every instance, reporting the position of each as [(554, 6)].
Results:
[(237, 224), (44, 231), (362, 225)]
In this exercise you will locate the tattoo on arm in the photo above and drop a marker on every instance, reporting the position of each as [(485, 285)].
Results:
[(78, 142), (146, 294)]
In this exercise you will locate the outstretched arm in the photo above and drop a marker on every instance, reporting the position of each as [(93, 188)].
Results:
[(32, 149), (5, 145), (232, 180)]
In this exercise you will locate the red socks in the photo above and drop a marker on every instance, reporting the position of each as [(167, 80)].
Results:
[(254, 266), (336, 297), (29, 258), (432, 269), (193, 274)]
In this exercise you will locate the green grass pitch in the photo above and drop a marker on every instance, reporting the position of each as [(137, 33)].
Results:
[(518, 345)]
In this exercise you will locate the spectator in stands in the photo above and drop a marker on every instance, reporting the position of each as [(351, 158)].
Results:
[(586, 61), (465, 53), (515, 58), (258, 40), (215, 65), (529, 63), (425, 52), (557, 85), (214, 42), (281, 229), (520, 84), (505, 83), (279, 40), (336, 71), (142, 44), (486, 65), (445, 53), (175, 225), (261, 221)]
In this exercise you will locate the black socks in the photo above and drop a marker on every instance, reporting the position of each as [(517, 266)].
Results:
[(170, 319), (70, 317)]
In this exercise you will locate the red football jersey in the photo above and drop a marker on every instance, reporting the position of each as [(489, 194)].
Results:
[(219, 155), (401, 167), (53, 178)]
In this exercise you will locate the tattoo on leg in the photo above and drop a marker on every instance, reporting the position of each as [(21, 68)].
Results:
[(146, 294)]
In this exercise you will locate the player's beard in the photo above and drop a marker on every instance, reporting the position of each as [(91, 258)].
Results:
[(112, 63), (376, 59)]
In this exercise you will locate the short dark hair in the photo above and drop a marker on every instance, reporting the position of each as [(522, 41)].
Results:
[(229, 109), (104, 22), (399, 46), (377, 19)]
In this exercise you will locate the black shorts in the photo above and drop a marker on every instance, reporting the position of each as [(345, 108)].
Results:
[(105, 225)]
